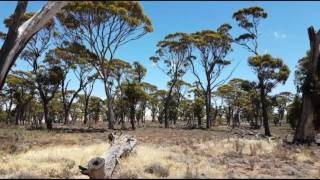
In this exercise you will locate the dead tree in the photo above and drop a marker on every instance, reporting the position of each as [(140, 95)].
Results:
[(102, 168), (20, 33), (305, 130)]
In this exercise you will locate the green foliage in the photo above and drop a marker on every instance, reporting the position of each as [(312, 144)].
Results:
[(134, 92), (138, 71), (130, 12), (94, 108), (294, 111), (269, 70), (174, 53), (243, 16), (300, 74), (214, 45), (249, 19)]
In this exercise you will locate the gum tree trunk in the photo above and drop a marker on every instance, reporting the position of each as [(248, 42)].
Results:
[(19, 35), (305, 130)]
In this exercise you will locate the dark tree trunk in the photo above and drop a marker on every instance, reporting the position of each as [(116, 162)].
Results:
[(10, 41), (166, 107), (305, 130), (46, 116), (264, 110), (208, 108), (15, 41), (86, 112), (132, 117), (199, 120)]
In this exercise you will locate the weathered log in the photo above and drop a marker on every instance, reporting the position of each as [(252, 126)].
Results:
[(103, 167)]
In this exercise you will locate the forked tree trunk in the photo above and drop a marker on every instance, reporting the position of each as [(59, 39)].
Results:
[(103, 167), (305, 130), (18, 36)]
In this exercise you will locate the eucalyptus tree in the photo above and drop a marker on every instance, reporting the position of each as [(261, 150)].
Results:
[(198, 103), (56, 108), (105, 26), (172, 58), (249, 20), (198, 111), (120, 70), (254, 109), (161, 96), (20, 83), (74, 57), (87, 91), (179, 91), (46, 75), (137, 73), (270, 71), (282, 101), (212, 47), (294, 111), (7, 93), (236, 100), (21, 30), (133, 92), (307, 77), (149, 89), (95, 109)]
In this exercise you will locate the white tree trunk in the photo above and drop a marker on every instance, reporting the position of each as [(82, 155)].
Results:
[(26, 31)]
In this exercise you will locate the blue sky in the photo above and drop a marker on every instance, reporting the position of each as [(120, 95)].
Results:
[(283, 33)]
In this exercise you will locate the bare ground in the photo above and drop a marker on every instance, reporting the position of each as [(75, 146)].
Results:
[(160, 153)]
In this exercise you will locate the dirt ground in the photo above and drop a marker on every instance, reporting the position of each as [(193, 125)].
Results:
[(160, 153)]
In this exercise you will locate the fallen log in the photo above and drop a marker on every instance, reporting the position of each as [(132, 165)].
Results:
[(103, 167)]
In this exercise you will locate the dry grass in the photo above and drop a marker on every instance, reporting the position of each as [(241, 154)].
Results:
[(169, 153)]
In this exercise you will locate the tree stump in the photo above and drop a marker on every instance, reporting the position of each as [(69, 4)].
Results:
[(102, 168)]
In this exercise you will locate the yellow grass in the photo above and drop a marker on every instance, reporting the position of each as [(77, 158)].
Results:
[(183, 155), (51, 161)]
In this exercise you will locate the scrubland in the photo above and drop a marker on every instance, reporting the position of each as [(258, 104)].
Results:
[(160, 153)]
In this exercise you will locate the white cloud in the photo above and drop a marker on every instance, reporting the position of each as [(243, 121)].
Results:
[(278, 35)]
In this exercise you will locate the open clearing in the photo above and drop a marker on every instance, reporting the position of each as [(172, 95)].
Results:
[(160, 153)]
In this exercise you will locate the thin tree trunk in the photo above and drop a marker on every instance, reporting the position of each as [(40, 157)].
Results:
[(46, 118), (132, 116), (86, 110)]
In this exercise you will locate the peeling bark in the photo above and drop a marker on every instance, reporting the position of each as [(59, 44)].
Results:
[(305, 130), (18, 36)]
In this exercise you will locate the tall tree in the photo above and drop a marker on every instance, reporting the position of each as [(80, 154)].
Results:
[(249, 20), (105, 26), (213, 47), (74, 57), (46, 75), (20, 83), (133, 93), (120, 70), (264, 66), (21, 31), (172, 58), (270, 72), (305, 131)]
